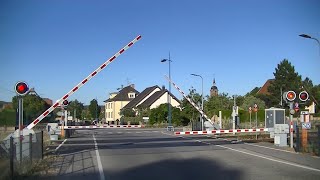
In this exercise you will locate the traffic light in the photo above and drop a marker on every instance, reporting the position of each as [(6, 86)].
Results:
[(291, 96), (303, 96), (21, 88)]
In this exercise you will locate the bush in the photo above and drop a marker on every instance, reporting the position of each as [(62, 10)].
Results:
[(8, 117)]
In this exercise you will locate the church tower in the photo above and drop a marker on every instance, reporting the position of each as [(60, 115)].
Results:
[(214, 89)]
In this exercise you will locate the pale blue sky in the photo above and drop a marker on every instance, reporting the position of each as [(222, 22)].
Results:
[(54, 45)]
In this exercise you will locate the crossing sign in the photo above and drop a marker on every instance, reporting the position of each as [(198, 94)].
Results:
[(255, 107), (306, 125)]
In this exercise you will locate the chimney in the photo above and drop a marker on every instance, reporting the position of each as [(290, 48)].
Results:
[(163, 87), (133, 86)]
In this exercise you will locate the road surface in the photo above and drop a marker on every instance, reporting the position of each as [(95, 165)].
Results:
[(121, 154)]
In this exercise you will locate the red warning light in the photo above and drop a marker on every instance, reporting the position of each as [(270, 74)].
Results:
[(65, 102), (303, 96), (291, 96), (21, 88)]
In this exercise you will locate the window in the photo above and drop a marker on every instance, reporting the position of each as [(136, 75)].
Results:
[(111, 115), (131, 95), (110, 105)]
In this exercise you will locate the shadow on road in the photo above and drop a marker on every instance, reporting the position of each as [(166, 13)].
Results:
[(195, 168)]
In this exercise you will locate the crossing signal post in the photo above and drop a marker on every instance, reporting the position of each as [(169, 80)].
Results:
[(21, 88), (290, 97), (64, 106)]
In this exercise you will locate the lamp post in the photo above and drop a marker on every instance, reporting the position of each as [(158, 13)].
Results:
[(169, 99), (201, 98), (309, 37)]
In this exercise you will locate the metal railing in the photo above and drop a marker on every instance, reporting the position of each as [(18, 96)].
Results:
[(18, 155)]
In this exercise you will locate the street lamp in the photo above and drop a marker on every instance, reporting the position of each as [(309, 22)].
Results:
[(309, 37), (201, 99), (169, 99)]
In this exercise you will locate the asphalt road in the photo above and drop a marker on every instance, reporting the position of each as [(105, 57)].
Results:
[(156, 154)]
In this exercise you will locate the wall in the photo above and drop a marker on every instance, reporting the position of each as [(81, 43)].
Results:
[(164, 99)]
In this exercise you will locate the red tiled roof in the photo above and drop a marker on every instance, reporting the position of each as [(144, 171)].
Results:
[(264, 88)]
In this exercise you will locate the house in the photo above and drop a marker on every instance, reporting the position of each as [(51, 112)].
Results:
[(264, 88), (152, 97), (117, 101)]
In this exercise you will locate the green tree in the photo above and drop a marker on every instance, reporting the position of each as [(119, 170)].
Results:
[(239, 100), (249, 101), (188, 111), (128, 112), (33, 106), (218, 103), (286, 78), (253, 92), (94, 108), (160, 114), (76, 107)]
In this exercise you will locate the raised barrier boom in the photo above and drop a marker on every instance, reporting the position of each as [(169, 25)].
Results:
[(191, 102), (78, 86)]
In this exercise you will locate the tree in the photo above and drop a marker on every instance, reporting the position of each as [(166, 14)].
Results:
[(94, 108), (160, 114), (239, 100), (33, 106), (76, 107), (188, 111), (253, 92), (249, 101), (128, 112), (217, 103), (286, 79)]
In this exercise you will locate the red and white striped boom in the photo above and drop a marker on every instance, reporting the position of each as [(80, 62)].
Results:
[(190, 101), (101, 127), (77, 87), (222, 131)]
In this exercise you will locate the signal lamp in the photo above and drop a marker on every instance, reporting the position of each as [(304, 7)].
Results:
[(291, 96), (303, 96), (21, 88), (65, 102)]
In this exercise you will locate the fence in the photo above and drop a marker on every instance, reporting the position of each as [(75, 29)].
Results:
[(307, 141), (19, 155)]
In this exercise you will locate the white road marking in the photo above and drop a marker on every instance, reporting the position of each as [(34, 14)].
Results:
[(110, 132), (271, 148), (119, 132), (61, 144), (270, 159), (98, 159), (138, 132), (155, 131), (263, 157)]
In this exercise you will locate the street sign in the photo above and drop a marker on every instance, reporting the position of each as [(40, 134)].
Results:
[(306, 125), (255, 107), (292, 111), (296, 107)]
